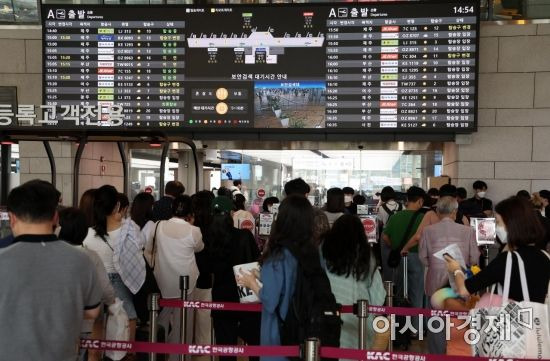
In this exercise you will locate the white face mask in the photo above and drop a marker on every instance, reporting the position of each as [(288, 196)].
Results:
[(348, 199), (481, 194), (502, 234)]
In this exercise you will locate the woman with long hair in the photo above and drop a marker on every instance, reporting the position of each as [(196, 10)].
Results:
[(141, 213), (202, 210), (119, 244), (86, 205), (290, 244), (353, 273), (230, 247)]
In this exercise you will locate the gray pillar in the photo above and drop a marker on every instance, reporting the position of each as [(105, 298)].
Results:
[(186, 170)]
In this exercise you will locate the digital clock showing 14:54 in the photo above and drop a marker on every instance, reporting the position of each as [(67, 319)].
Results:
[(463, 9)]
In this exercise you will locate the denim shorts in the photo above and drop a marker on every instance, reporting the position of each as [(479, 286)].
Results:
[(124, 294)]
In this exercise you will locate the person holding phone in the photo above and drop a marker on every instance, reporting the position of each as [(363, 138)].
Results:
[(521, 231), (435, 238)]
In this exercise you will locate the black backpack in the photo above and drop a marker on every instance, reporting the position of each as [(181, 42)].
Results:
[(313, 311)]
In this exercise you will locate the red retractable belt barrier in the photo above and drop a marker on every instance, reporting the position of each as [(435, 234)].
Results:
[(343, 353), (169, 348), (221, 306), (405, 311), (281, 351), (257, 307)]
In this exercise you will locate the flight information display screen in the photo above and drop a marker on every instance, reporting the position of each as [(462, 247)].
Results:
[(363, 66)]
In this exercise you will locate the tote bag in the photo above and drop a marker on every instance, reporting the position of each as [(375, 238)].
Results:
[(513, 329), (117, 328)]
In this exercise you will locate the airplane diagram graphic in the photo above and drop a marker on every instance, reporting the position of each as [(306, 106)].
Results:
[(260, 47)]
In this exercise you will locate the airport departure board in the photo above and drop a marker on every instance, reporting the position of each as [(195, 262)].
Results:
[(389, 66)]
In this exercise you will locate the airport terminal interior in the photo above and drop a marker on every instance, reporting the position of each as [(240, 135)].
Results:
[(364, 94), (305, 109)]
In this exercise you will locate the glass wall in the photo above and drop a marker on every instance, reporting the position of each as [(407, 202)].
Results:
[(19, 11), (145, 171), (367, 172)]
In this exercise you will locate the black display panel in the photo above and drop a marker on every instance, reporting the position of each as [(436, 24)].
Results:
[(399, 67)]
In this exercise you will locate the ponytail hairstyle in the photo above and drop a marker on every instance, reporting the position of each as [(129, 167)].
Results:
[(105, 202)]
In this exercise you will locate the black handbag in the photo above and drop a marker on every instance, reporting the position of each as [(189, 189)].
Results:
[(150, 280), (149, 286)]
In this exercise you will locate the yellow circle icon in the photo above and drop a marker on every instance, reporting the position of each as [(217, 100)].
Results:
[(222, 93), (221, 108)]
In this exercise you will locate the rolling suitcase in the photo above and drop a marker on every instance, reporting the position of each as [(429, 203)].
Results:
[(402, 341)]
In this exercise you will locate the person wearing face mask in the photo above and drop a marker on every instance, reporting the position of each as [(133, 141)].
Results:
[(268, 204), (351, 208), (478, 206), (516, 227)]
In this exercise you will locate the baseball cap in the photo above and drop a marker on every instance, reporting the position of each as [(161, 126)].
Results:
[(222, 204)]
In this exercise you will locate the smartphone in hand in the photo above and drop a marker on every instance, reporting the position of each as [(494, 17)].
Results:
[(448, 257)]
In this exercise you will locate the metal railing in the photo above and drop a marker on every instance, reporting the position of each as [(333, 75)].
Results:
[(310, 347)]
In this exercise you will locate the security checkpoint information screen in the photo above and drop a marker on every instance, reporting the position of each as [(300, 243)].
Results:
[(391, 66)]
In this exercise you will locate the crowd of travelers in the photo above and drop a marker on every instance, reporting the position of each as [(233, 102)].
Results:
[(64, 267)]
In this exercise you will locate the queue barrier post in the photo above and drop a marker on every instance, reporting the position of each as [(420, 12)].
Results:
[(153, 306), (486, 262), (312, 348), (184, 288), (362, 315), (388, 286), (212, 336)]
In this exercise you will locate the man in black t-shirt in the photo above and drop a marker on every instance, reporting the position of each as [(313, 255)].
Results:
[(478, 206)]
